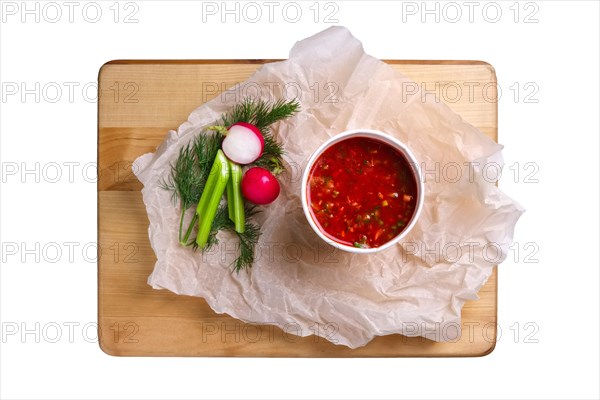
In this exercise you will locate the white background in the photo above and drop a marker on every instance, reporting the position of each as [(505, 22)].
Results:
[(558, 295)]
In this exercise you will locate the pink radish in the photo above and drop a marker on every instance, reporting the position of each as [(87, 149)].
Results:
[(260, 186), (244, 143)]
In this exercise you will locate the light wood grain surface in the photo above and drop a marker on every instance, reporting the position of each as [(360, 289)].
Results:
[(139, 102)]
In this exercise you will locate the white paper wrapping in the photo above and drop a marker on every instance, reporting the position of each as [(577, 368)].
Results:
[(414, 288)]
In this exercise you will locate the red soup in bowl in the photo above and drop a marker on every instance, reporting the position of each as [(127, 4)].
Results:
[(362, 192)]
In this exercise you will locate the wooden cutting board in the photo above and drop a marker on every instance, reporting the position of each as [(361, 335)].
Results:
[(139, 101)]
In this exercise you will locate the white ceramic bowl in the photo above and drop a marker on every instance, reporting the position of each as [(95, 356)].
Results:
[(381, 137)]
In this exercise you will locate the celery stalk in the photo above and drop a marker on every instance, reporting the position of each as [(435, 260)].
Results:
[(211, 197), (230, 201), (209, 186), (236, 201)]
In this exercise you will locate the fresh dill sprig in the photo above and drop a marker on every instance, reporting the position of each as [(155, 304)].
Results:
[(260, 113), (248, 242), (184, 182), (277, 111)]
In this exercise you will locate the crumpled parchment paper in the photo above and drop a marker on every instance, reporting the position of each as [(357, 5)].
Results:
[(414, 288)]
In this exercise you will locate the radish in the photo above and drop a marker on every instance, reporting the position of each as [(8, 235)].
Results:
[(260, 186), (244, 143)]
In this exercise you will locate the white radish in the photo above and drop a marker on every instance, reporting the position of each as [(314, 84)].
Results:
[(244, 143)]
